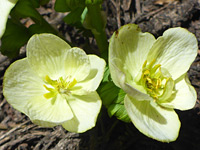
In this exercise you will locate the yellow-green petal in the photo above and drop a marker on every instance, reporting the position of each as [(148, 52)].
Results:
[(25, 90), (175, 51), (184, 97), (54, 110), (86, 109), (131, 47), (21, 84), (94, 78), (152, 120), (129, 87), (5, 8), (77, 64), (46, 55)]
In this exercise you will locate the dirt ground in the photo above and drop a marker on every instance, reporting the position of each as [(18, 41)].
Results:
[(154, 16)]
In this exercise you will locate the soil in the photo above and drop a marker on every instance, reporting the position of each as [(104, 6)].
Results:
[(154, 16)]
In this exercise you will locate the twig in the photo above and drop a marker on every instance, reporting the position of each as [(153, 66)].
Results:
[(14, 129)]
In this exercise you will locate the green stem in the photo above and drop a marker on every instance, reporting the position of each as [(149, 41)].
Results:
[(98, 24)]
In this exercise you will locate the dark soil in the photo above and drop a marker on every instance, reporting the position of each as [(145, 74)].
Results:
[(154, 16)]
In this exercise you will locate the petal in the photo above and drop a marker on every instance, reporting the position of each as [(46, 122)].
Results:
[(131, 46), (152, 120), (46, 55), (5, 8), (77, 64), (185, 96), (86, 109), (55, 110), (130, 88), (20, 84), (175, 51), (94, 78), (24, 90)]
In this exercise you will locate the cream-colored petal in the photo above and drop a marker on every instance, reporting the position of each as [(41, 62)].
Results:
[(129, 87), (175, 51), (5, 8), (46, 55), (185, 96), (152, 120), (20, 84), (94, 78), (54, 110), (131, 46), (86, 109), (77, 64)]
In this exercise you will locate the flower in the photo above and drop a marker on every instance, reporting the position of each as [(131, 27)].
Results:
[(153, 74), (55, 84), (5, 8)]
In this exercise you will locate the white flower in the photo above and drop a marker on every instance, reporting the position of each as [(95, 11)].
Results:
[(153, 73), (55, 84)]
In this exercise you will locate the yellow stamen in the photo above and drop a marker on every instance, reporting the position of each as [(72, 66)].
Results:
[(61, 86), (152, 79)]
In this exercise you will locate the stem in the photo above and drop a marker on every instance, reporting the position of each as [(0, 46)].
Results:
[(97, 22)]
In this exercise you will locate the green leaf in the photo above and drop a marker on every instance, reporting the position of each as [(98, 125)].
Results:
[(61, 6), (106, 77), (43, 2), (89, 2), (113, 98), (117, 107), (40, 28), (35, 3), (74, 16), (13, 39), (108, 92), (26, 8), (68, 5)]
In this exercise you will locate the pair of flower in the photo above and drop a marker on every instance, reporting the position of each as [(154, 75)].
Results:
[(56, 84)]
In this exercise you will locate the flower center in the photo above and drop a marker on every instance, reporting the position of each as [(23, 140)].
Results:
[(158, 85), (61, 86)]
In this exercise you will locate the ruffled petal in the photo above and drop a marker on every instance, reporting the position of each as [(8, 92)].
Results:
[(46, 55), (152, 120), (131, 46), (5, 8), (175, 51), (94, 78), (185, 96), (86, 109)]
